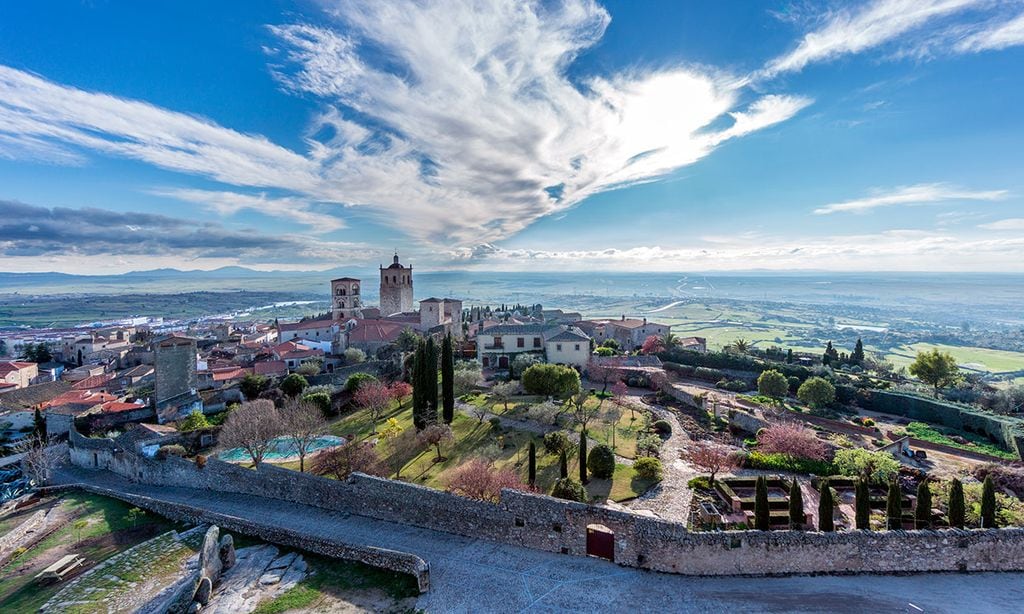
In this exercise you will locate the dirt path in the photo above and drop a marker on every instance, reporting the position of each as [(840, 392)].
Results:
[(510, 423), (671, 498)]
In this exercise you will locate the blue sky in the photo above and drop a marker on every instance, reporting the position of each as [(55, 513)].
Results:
[(570, 134)]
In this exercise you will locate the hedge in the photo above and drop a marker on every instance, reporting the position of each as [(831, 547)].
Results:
[(736, 362), (1008, 431), (784, 462)]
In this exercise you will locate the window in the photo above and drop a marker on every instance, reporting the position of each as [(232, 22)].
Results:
[(520, 342), (536, 342), (577, 347), (558, 347)]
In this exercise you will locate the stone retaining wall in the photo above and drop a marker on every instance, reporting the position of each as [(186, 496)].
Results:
[(545, 523), (383, 558)]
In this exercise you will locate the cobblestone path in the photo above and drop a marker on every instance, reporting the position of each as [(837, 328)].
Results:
[(671, 498)]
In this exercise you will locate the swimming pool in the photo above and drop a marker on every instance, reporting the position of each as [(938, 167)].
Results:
[(282, 449)]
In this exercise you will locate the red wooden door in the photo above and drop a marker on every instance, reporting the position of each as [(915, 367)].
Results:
[(601, 543)]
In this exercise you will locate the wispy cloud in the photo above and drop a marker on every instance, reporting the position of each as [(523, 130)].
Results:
[(1015, 223), (228, 203), (920, 194), (917, 28)]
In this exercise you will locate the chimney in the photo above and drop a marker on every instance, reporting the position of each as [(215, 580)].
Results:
[(645, 321)]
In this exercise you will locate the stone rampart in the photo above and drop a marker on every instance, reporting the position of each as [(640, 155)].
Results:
[(545, 523)]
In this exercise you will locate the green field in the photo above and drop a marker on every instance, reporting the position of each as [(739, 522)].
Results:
[(976, 359)]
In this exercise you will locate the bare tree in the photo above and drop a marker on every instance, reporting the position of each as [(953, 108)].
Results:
[(303, 423), (41, 460), (713, 457), (479, 479), (436, 435), (583, 412), (347, 459), (252, 427), (375, 398)]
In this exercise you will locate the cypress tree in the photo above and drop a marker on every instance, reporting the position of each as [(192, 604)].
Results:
[(894, 507), (826, 509), (532, 465), (430, 380), (40, 426), (583, 457), (988, 503), (956, 504), (789, 356), (563, 465), (858, 352), (923, 508), (419, 395), (863, 503), (796, 506), (762, 516), (448, 379)]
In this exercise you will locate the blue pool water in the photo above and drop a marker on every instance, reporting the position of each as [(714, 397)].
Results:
[(281, 448)]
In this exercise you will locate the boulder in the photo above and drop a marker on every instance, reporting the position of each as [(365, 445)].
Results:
[(209, 555), (204, 591), (227, 551)]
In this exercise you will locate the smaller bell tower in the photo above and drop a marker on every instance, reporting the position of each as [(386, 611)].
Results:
[(395, 288), (345, 300)]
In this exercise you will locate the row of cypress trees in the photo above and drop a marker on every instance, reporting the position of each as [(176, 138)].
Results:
[(894, 506), (424, 383)]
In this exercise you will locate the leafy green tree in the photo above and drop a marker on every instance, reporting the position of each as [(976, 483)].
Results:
[(196, 420), (569, 489), (894, 507), (407, 340), (796, 506), (923, 508), (321, 400), (79, 525), (863, 505), (521, 363), (36, 352), (816, 392), (133, 515), (601, 462), (532, 465), (988, 503), (293, 385), (611, 344), (857, 356), (448, 380), (551, 380), (253, 385), (762, 515), (876, 467), (957, 507), (826, 509), (583, 457), (935, 368), (830, 355), (772, 384)]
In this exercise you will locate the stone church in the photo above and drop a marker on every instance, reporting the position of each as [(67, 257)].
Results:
[(395, 288)]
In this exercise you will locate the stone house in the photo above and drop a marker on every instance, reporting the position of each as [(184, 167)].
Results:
[(570, 347), (16, 374)]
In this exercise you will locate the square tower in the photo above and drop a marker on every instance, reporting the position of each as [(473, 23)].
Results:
[(345, 303), (395, 288)]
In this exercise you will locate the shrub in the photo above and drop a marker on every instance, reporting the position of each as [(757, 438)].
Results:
[(732, 385), (797, 517), (957, 508), (570, 489), (601, 462), (700, 482), (923, 508), (480, 480), (772, 384), (495, 422), (170, 450), (293, 385), (816, 392), (649, 445), (879, 467), (195, 420), (551, 380), (988, 503), (604, 351), (647, 468), (354, 356), (556, 442), (783, 462), (867, 422), (894, 507), (762, 515), (826, 509), (355, 380), (321, 399), (863, 505), (708, 374), (662, 427), (200, 461)]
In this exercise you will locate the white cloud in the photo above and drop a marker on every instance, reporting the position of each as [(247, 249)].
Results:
[(228, 203), (920, 28), (1015, 223), (894, 250), (922, 193), (997, 35)]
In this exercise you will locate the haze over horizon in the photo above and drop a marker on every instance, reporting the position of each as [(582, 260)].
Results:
[(503, 135)]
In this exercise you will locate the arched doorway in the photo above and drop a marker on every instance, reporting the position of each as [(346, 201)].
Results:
[(600, 542)]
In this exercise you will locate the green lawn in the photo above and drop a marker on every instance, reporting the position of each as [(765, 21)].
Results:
[(981, 359), (925, 432), (331, 577), (507, 447), (107, 532)]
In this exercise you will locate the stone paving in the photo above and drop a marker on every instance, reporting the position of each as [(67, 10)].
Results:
[(671, 498), (469, 575)]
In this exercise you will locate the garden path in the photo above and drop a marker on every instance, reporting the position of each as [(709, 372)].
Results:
[(670, 499), (506, 422)]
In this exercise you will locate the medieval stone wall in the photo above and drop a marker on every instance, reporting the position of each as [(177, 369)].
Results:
[(544, 523)]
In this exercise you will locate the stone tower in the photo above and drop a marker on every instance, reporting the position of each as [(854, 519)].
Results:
[(345, 303), (395, 288)]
